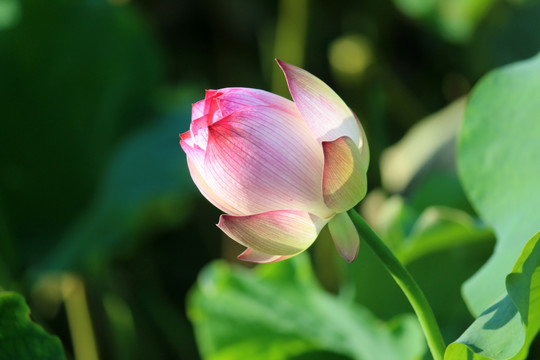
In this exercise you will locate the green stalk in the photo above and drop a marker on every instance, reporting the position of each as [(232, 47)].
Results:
[(407, 284)]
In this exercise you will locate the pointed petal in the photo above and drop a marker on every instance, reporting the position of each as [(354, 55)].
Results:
[(205, 106), (282, 232), (199, 132), (345, 236), (185, 135), (261, 159), (255, 256), (197, 109), (327, 116), (344, 179)]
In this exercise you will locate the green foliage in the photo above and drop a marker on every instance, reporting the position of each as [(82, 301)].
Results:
[(92, 179), (20, 337), (76, 75), (506, 329), (89, 165), (498, 145), (455, 20), (9, 13), (429, 242), (279, 311), (413, 234), (144, 187), (497, 149)]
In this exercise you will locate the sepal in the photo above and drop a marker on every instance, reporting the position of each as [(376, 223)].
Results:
[(345, 236)]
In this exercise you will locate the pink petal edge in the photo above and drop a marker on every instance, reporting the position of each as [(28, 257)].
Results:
[(327, 116), (281, 232), (235, 99)]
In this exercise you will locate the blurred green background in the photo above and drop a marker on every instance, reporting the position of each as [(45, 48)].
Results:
[(101, 227)]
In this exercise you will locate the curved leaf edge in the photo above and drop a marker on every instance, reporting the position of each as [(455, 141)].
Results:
[(521, 288), (21, 337)]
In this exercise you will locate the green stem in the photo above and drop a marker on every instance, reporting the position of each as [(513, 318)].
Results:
[(407, 284)]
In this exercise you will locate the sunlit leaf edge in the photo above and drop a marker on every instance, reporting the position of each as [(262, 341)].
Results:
[(523, 284)]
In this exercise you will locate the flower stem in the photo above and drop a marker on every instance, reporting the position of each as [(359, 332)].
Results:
[(407, 284)]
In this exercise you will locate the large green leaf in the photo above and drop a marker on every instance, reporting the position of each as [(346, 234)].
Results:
[(20, 337), (279, 311), (498, 163), (523, 286), (506, 329)]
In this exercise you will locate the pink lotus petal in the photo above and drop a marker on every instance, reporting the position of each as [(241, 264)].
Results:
[(195, 159), (344, 178), (282, 232), (327, 116), (199, 131), (194, 153), (255, 256), (261, 159), (234, 99), (185, 135), (345, 236), (218, 104), (208, 192), (207, 106), (197, 109)]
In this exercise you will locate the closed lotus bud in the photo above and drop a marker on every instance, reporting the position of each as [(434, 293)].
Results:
[(280, 170)]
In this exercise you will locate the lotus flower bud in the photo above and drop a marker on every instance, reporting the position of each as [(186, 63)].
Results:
[(280, 170)]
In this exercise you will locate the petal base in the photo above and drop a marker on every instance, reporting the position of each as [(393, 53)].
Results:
[(281, 232), (255, 256)]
